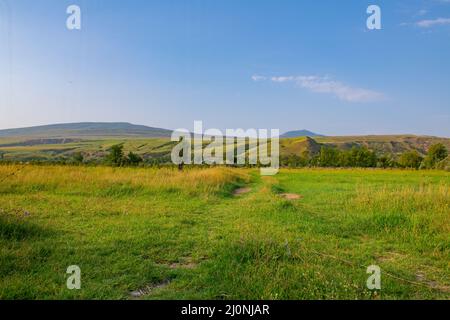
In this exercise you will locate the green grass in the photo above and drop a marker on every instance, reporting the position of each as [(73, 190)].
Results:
[(92, 149), (183, 235)]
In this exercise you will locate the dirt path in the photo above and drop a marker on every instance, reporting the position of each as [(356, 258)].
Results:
[(291, 196), (241, 191), (148, 289)]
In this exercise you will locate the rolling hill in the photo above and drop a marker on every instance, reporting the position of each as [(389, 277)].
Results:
[(87, 129), (298, 146), (93, 140), (386, 144)]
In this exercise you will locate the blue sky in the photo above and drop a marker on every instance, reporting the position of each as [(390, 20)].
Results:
[(286, 64)]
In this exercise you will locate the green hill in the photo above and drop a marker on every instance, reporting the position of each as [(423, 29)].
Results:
[(298, 146), (87, 129)]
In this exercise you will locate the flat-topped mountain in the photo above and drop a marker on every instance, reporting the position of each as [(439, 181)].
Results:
[(87, 129), (300, 133)]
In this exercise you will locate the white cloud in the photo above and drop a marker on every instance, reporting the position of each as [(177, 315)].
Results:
[(433, 22), (326, 85), (258, 78)]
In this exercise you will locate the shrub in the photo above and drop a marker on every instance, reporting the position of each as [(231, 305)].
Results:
[(78, 158), (437, 153), (133, 159), (410, 159)]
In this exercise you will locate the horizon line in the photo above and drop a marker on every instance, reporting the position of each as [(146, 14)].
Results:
[(281, 134)]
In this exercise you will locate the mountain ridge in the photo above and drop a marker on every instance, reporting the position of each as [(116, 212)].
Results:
[(83, 129), (124, 129), (300, 133)]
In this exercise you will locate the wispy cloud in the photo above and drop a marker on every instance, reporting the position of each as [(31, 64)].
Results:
[(258, 78), (326, 85), (422, 12), (433, 22)]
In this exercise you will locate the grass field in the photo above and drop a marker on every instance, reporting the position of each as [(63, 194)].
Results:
[(16, 149), (167, 234)]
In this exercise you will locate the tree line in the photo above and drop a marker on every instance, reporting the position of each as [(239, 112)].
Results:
[(330, 157), (362, 157)]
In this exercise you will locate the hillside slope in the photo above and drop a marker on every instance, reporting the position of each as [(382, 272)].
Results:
[(87, 129), (298, 146), (300, 133), (393, 144), (93, 140)]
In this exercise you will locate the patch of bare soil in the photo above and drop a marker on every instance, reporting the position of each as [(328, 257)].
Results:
[(185, 263), (432, 284), (391, 256), (291, 196), (241, 191), (148, 289)]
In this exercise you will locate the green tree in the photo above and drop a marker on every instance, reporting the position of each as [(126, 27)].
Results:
[(358, 157), (133, 159), (329, 157), (443, 164), (365, 158), (115, 156), (78, 157), (385, 161), (436, 153), (345, 159), (294, 161), (410, 159)]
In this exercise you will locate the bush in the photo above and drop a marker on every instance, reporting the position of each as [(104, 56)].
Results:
[(385, 161), (78, 158), (444, 164), (410, 159), (329, 157), (133, 159), (437, 153)]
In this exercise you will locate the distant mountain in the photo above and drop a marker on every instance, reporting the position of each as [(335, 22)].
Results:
[(87, 129), (300, 133)]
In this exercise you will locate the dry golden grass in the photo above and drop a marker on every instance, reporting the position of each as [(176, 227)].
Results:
[(405, 198), (61, 177)]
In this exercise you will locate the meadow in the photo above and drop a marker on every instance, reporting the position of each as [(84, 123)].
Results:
[(147, 233)]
